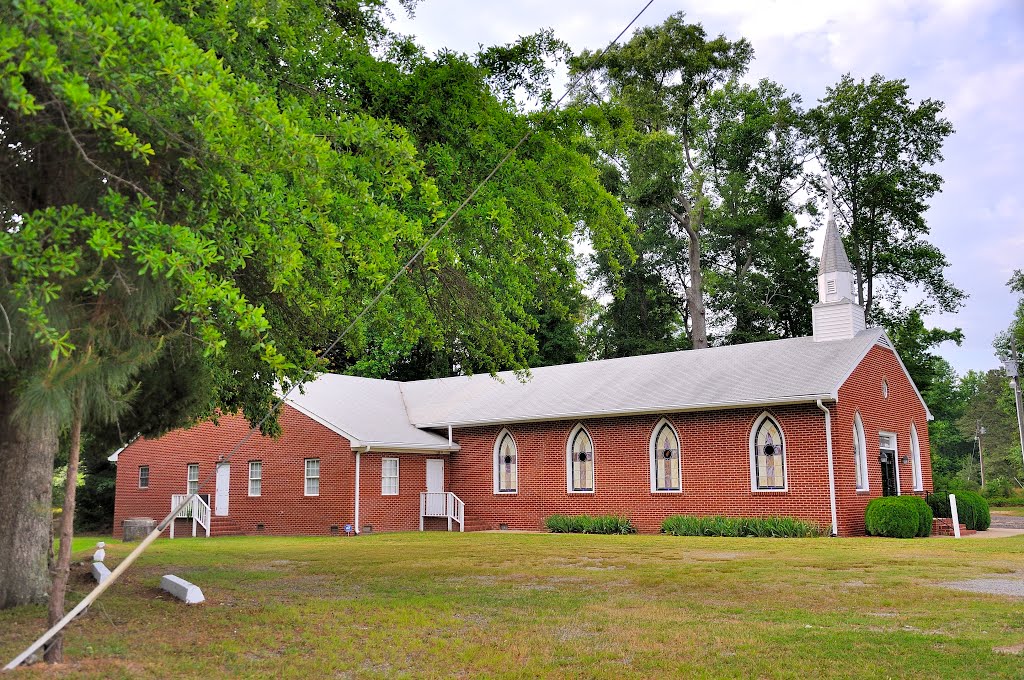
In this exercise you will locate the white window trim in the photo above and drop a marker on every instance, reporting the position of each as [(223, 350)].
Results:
[(306, 477), (569, 459), (915, 460), (862, 458), (653, 457), (189, 480), (252, 479), (141, 468), (895, 455), (753, 456), (398, 477), (497, 464)]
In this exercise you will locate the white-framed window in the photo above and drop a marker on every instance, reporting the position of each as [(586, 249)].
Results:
[(506, 464), (389, 477), (255, 477), (767, 455), (915, 458), (143, 476), (665, 471), (193, 478), (579, 458), (312, 476), (860, 453)]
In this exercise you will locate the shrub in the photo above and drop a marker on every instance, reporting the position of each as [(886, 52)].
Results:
[(586, 524), (971, 508), (924, 515), (893, 516), (746, 527)]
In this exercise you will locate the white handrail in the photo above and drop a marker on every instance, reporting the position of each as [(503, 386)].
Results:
[(198, 510), (442, 504)]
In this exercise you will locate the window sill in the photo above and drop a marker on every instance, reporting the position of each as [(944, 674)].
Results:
[(863, 492), (506, 493), (659, 492), (769, 490), (585, 493)]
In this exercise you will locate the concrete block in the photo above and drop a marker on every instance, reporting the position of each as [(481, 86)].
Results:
[(138, 528), (182, 589), (100, 572), (101, 553)]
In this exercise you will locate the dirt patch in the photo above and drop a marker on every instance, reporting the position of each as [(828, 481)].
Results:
[(1010, 649), (1011, 587)]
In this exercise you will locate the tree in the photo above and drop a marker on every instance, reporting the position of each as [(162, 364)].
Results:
[(878, 146), (651, 91)]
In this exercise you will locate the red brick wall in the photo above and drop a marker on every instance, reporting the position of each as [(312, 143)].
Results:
[(863, 392), (401, 512), (282, 506), (715, 470)]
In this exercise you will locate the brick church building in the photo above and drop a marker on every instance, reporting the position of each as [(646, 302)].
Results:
[(808, 427)]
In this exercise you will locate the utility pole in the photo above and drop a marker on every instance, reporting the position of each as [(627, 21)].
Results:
[(978, 432), (1011, 365)]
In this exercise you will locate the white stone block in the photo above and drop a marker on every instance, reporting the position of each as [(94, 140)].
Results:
[(182, 589), (101, 553), (100, 572)]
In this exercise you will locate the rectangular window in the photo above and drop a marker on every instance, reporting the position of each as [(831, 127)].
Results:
[(389, 477), (143, 476), (255, 477), (312, 476), (193, 478)]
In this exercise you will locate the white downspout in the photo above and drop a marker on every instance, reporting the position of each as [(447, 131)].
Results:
[(449, 436), (357, 494), (831, 467)]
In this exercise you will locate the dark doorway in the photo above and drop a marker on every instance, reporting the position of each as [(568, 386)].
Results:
[(888, 461)]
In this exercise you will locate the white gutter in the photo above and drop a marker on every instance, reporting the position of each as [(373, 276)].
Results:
[(356, 527), (831, 467)]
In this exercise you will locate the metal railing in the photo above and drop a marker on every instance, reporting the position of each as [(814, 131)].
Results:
[(198, 511), (443, 504)]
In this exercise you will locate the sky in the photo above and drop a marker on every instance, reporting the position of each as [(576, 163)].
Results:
[(968, 54)]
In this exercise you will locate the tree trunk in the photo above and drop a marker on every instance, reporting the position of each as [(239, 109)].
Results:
[(55, 652), (26, 494), (695, 297)]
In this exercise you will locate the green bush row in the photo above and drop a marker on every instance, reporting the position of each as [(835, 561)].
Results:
[(898, 517), (740, 527), (971, 507), (586, 524)]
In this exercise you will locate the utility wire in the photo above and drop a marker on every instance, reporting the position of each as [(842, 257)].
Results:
[(224, 458)]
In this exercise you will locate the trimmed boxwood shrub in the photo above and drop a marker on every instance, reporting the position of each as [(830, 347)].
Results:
[(924, 514), (586, 524), (972, 508), (894, 516), (740, 527)]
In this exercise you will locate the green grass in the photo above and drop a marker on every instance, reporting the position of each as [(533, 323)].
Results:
[(546, 605), (1009, 510)]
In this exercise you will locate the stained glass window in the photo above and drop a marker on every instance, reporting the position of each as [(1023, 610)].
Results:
[(860, 453), (581, 454), (665, 461), (769, 458), (506, 464)]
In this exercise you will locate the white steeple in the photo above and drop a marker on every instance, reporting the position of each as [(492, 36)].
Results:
[(836, 316)]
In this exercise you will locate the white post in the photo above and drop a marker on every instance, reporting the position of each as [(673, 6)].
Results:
[(956, 516), (357, 493), (423, 508)]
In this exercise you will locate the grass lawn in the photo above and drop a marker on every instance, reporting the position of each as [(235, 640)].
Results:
[(540, 605), (1009, 510)]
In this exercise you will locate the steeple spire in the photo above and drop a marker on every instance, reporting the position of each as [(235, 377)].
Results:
[(836, 315)]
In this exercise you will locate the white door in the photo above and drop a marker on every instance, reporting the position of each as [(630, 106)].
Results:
[(223, 482), (435, 488)]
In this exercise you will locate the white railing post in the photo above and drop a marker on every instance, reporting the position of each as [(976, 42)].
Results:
[(956, 515), (423, 508)]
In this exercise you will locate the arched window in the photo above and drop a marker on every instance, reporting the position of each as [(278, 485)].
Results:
[(665, 458), (767, 455), (506, 464), (860, 453), (580, 461), (915, 459)]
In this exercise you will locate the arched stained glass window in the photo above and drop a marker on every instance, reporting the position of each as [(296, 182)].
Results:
[(506, 464), (860, 453), (768, 456), (665, 459), (581, 461)]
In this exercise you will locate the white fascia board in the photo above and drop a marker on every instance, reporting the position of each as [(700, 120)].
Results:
[(892, 348), (326, 423), (677, 408), (399, 447)]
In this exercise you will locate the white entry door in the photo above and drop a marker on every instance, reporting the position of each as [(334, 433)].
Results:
[(435, 488), (223, 483)]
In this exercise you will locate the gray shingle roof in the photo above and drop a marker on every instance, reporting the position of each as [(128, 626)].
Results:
[(760, 373), (833, 255), (367, 412)]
